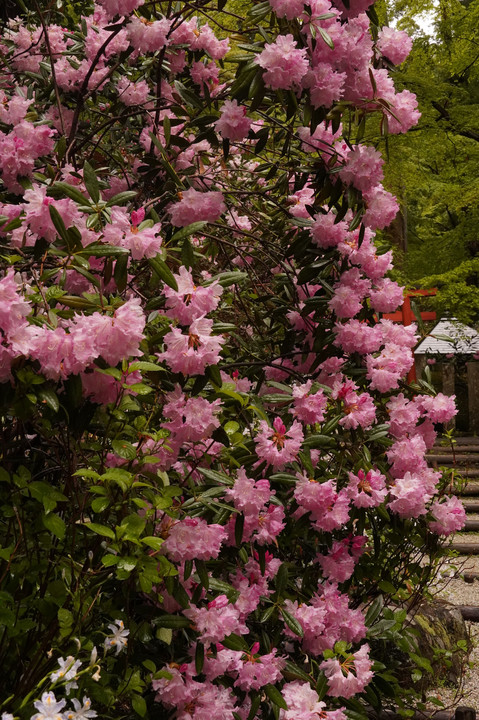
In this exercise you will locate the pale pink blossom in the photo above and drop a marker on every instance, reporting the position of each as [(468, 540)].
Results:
[(233, 123), (363, 168), (342, 681), (366, 489), (284, 63), (190, 301), (193, 538), (190, 353), (449, 516), (308, 407), (146, 36), (216, 621), (289, 9), (261, 670), (304, 704), (439, 408), (394, 44), (277, 445), (196, 206)]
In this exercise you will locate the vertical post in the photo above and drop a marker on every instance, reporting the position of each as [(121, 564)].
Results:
[(473, 395), (464, 713), (448, 386), (420, 362)]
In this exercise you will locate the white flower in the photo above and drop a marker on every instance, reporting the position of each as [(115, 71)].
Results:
[(67, 670), (118, 639), (93, 656), (48, 708), (81, 711), (7, 716)]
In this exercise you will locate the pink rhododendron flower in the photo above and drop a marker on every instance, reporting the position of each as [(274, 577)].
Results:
[(326, 619), (233, 123), (366, 489), (440, 408), (289, 9), (132, 94), (329, 509), (190, 301), (284, 63), (249, 495), (325, 85), (363, 168), (342, 681), (409, 496), (394, 44), (277, 445), (386, 296), (357, 336), (120, 7), (338, 565), (308, 407), (359, 410), (258, 671), (386, 369), (148, 36), (190, 353), (382, 208), (193, 538), (304, 704), (449, 516), (196, 206), (218, 620)]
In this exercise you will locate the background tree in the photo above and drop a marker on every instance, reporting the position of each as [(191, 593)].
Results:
[(433, 170)]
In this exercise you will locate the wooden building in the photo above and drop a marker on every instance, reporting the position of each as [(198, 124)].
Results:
[(451, 351)]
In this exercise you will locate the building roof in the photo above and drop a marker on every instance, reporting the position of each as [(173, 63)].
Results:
[(448, 337)]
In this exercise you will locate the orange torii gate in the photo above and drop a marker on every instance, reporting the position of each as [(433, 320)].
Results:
[(406, 316)]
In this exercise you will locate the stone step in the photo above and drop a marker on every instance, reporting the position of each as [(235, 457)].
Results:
[(471, 525), (471, 548), (458, 459), (472, 488), (471, 506), (448, 450)]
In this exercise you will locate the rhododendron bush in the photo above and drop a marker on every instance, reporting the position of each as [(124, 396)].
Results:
[(214, 494)]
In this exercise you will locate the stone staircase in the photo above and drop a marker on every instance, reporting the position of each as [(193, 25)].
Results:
[(463, 458)]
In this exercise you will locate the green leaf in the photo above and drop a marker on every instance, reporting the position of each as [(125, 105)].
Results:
[(58, 223), (281, 579), (55, 525), (213, 372), (153, 542), (293, 624), (145, 367), (374, 611), (59, 189), (139, 705), (124, 449), (185, 232), (104, 250), (199, 657), (163, 271), (122, 198), (293, 669), (172, 621), (120, 273), (202, 573), (91, 182), (48, 397), (235, 642), (275, 696), (100, 529)]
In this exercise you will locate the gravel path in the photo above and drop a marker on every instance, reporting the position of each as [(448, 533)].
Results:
[(456, 591)]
